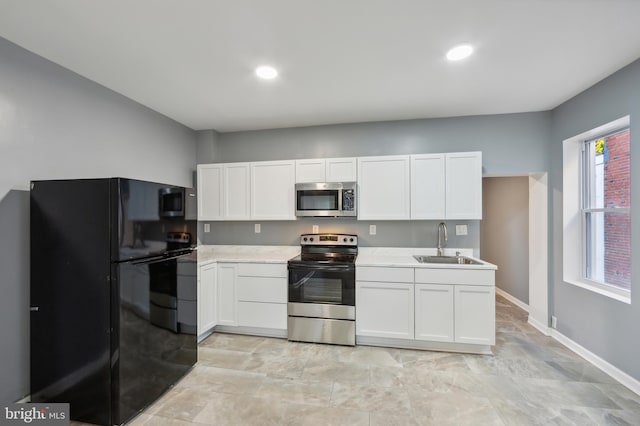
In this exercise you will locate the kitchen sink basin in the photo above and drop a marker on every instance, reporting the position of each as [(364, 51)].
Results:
[(453, 260)]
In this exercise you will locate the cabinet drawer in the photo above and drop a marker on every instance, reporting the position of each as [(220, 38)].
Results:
[(263, 315), (455, 276), (262, 270), (373, 273), (262, 289)]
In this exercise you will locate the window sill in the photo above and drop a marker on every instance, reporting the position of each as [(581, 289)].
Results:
[(619, 295)]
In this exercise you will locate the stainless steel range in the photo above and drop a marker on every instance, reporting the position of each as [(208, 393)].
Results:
[(322, 292)]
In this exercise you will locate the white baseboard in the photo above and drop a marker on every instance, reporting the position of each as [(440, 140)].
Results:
[(519, 303), (542, 328), (619, 375)]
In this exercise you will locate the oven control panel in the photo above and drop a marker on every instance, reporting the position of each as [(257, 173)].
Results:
[(329, 239)]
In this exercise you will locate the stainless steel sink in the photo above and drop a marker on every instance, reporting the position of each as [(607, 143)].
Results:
[(453, 260)]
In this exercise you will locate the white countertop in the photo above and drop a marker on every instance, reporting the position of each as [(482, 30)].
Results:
[(246, 254), (403, 257), (367, 256)]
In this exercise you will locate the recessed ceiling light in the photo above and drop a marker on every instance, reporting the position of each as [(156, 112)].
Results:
[(459, 52), (266, 72)]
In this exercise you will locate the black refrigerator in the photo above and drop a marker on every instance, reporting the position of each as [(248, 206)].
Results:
[(109, 259)]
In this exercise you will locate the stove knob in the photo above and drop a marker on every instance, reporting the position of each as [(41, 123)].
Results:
[(345, 239), (311, 239), (304, 239), (351, 240)]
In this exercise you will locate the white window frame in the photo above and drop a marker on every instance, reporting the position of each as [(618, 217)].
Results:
[(573, 213)]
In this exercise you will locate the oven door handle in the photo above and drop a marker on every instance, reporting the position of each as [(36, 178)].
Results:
[(324, 268)]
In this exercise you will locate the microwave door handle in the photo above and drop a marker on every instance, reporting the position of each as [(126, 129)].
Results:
[(340, 195)]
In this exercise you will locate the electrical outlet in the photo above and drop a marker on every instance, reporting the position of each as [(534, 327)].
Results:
[(554, 322), (256, 228), (207, 227), (461, 229), (315, 229), (372, 230)]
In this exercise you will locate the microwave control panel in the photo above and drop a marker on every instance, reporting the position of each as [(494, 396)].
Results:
[(348, 200)]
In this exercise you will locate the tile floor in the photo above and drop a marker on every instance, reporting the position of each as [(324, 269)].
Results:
[(530, 380)]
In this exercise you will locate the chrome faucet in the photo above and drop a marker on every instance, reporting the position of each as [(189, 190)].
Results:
[(442, 227)]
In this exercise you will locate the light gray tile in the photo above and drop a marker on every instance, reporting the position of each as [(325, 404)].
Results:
[(227, 409), (369, 397), (525, 413), (223, 358), (553, 392), (335, 371), (276, 365), (530, 380), (304, 415), (453, 409), (311, 393)]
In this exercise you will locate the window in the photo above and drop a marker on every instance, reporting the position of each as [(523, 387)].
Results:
[(606, 209), (597, 210)]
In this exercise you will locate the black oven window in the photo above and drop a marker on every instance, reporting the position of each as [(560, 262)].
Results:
[(323, 290), (318, 200)]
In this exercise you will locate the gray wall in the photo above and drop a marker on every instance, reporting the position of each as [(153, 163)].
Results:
[(511, 143), (504, 232), (604, 326), (56, 124)]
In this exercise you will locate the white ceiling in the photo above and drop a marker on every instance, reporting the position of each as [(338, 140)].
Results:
[(339, 60)]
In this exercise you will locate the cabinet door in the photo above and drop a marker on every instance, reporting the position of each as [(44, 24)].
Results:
[(207, 298), (310, 170), (384, 309), (210, 200), (384, 184), (428, 186), (226, 301), (475, 308), (237, 191), (434, 312), (341, 169), (464, 185), (272, 190)]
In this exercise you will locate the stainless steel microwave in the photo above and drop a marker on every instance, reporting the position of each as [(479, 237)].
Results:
[(326, 199)]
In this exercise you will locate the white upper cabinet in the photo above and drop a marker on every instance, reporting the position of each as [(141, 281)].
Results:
[(341, 169), (384, 188), (309, 171), (237, 191), (326, 170), (428, 186), (210, 191), (463, 185), (272, 190)]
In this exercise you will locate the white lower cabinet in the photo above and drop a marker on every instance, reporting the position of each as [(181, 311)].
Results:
[(245, 297), (384, 309), (441, 305), (207, 298), (262, 295), (434, 312), (475, 314), (226, 294)]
